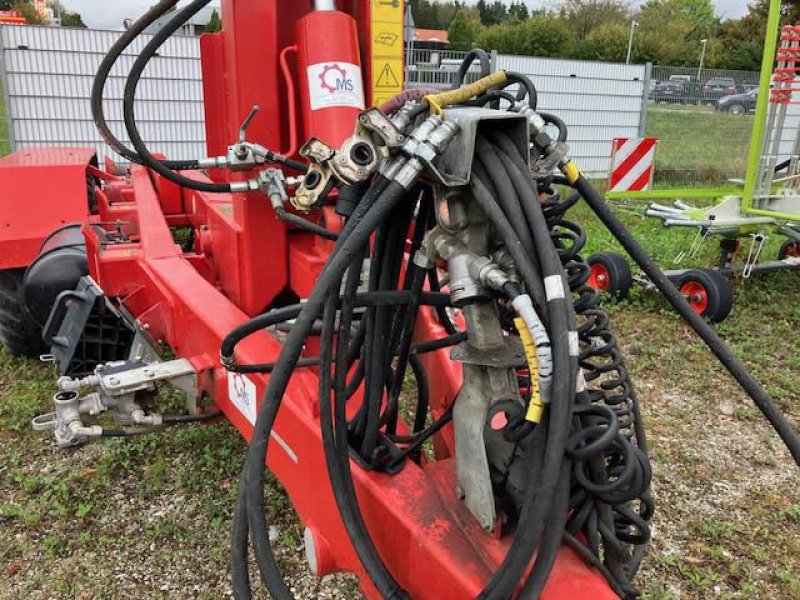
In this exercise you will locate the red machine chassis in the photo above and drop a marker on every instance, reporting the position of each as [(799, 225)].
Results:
[(430, 541), (243, 259)]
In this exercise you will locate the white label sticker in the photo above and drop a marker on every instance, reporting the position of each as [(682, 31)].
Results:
[(334, 84), (242, 392)]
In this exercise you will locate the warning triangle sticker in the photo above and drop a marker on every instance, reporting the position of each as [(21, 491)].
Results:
[(387, 78)]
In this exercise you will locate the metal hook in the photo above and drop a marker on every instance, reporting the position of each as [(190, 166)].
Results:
[(759, 239)]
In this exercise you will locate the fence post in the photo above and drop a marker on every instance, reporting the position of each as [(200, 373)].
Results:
[(493, 61), (648, 74), (12, 146)]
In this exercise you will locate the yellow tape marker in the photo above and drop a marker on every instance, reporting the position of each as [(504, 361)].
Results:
[(536, 406), (437, 102), (571, 172)]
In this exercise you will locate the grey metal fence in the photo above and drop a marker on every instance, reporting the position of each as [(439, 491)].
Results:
[(438, 68), (703, 119), (5, 139), (48, 74), (597, 101)]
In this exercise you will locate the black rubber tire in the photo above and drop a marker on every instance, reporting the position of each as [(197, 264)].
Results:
[(620, 279), (786, 246), (18, 333), (737, 110), (718, 290)]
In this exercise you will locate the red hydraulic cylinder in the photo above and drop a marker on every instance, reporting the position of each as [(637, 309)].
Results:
[(331, 82)]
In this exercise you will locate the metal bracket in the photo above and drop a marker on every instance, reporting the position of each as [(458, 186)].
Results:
[(142, 378)]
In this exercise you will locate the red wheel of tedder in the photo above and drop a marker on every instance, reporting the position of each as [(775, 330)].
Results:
[(789, 249), (609, 273), (599, 277), (707, 292), (696, 295)]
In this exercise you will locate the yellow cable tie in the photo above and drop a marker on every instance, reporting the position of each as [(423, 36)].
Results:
[(535, 406), (437, 102), (571, 172)]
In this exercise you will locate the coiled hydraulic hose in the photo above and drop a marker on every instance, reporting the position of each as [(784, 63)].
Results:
[(733, 365)]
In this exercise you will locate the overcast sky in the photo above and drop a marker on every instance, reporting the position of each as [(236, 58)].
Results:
[(110, 14)]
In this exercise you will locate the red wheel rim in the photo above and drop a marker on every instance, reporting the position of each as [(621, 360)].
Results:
[(792, 250), (600, 277), (696, 295)]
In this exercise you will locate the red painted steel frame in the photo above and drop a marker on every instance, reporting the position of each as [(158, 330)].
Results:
[(243, 258), (42, 189), (431, 543)]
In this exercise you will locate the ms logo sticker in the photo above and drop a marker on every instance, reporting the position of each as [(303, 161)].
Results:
[(335, 84)]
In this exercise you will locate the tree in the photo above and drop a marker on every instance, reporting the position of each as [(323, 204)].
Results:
[(6, 4), (68, 17), (430, 14), (214, 23), (72, 19), (745, 56), (32, 16), (607, 42), (492, 14), (584, 15), (464, 31), (518, 11), (543, 35)]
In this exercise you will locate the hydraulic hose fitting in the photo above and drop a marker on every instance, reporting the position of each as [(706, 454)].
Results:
[(421, 134), (441, 137)]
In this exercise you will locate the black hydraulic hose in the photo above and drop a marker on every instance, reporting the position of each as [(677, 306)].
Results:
[(528, 270), (404, 351), (286, 313), (423, 393), (337, 458), (240, 572), (526, 85), (441, 312), (733, 365), (540, 504), (103, 71), (304, 224), (558, 123), (538, 499), (264, 555), (382, 349), (365, 220), (422, 437), (504, 192), (122, 433), (475, 54), (182, 419), (433, 345), (129, 103)]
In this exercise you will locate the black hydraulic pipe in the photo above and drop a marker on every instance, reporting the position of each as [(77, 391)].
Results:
[(734, 366)]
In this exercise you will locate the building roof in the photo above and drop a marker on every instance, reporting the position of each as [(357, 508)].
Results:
[(12, 17), (430, 35)]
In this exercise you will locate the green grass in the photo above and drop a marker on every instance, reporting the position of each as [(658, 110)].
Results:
[(698, 144), (728, 499), (5, 142)]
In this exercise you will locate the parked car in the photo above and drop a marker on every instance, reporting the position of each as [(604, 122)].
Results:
[(738, 104), (673, 91), (714, 89)]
